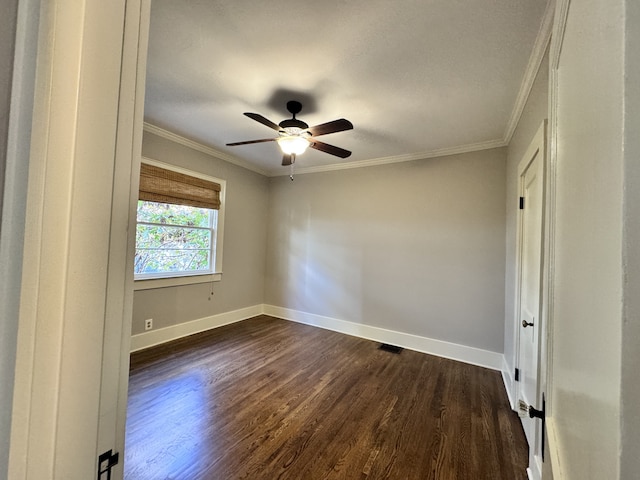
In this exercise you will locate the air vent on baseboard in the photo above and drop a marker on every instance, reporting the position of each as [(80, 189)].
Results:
[(390, 348)]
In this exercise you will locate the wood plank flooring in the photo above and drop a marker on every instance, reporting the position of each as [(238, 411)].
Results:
[(271, 399)]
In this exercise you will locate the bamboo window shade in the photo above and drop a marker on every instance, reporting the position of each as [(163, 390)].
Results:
[(166, 186)]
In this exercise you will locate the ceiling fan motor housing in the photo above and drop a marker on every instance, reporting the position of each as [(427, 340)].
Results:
[(294, 107), (293, 123)]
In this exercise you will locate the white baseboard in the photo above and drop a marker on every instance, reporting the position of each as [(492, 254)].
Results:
[(462, 353), (535, 473), (508, 382), (554, 449), (162, 335)]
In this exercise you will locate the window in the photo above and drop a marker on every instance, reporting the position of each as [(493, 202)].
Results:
[(174, 239), (179, 226)]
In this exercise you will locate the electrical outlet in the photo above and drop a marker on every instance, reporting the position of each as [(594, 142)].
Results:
[(148, 324)]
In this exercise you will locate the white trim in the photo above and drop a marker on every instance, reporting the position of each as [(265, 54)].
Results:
[(553, 455), (443, 152), (559, 27), (508, 382), (453, 351), (117, 336), (536, 472), (535, 60), (71, 305), (537, 149), (555, 50), (163, 335), (152, 283), (148, 127), (13, 191)]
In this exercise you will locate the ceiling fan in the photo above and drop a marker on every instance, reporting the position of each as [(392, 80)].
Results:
[(295, 136)]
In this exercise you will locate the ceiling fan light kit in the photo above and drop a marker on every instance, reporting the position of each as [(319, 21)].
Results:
[(295, 136), (293, 145)]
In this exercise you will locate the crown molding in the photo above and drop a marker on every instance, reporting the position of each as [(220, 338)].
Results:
[(557, 37), (535, 61), (443, 152), (148, 127)]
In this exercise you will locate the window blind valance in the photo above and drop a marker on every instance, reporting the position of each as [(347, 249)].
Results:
[(165, 186)]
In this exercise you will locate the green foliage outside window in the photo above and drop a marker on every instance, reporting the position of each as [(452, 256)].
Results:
[(173, 239)]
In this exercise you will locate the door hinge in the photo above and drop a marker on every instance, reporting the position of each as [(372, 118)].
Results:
[(106, 462), (541, 414), (517, 375), (521, 203)]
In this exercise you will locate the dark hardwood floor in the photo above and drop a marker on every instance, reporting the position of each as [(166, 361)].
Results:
[(271, 399)]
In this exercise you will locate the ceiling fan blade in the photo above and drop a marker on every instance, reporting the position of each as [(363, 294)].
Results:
[(265, 121), (330, 127), (330, 149), (287, 160), (251, 141)]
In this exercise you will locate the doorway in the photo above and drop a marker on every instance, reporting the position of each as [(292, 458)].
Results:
[(530, 240)]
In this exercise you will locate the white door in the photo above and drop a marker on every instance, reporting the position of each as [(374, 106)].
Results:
[(530, 241)]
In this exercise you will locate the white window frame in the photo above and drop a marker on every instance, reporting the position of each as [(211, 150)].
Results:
[(171, 280)]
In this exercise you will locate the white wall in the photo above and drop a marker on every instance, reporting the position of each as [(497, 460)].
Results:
[(533, 115), (588, 270), (245, 233), (415, 247)]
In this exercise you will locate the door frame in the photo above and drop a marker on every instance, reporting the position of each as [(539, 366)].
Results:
[(18, 56), (75, 308), (538, 146), (120, 283)]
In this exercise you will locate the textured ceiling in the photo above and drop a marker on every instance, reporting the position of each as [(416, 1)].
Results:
[(415, 77)]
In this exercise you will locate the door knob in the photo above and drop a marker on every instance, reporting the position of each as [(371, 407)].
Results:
[(526, 324)]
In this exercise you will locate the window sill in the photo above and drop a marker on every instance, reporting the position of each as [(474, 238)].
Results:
[(152, 283)]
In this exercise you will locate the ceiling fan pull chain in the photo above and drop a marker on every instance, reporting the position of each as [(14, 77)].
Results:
[(291, 171)]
